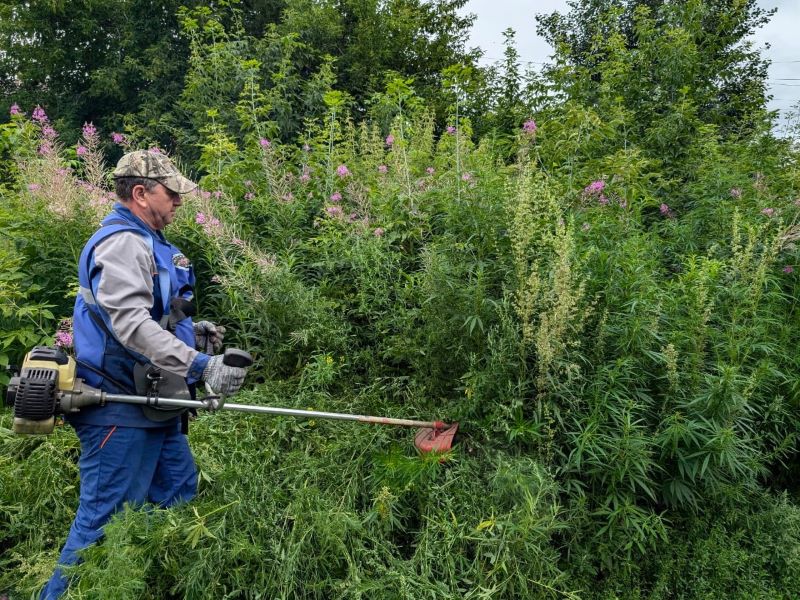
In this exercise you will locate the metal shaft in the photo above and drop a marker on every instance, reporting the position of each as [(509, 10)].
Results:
[(268, 410)]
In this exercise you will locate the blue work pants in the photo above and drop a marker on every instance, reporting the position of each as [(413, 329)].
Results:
[(119, 465)]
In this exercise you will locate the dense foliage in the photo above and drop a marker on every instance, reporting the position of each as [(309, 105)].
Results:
[(592, 270)]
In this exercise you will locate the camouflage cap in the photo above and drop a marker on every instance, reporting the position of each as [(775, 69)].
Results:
[(154, 165)]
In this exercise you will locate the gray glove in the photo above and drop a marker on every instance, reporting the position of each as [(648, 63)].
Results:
[(208, 336), (222, 379)]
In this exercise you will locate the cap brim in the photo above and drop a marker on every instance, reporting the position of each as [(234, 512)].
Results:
[(178, 184)]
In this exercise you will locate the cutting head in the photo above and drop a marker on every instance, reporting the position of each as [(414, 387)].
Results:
[(436, 439)]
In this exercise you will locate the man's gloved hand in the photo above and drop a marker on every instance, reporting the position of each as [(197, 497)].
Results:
[(223, 379), (208, 336)]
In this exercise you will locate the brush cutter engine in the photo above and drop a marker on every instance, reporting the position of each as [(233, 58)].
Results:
[(46, 387)]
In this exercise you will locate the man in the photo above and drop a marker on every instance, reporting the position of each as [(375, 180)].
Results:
[(130, 326)]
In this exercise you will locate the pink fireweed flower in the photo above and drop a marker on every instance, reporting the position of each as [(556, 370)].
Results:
[(63, 339), (451, 130), (430, 170), (664, 209), (596, 187), (305, 177), (389, 139), (48, 132), (529, 127), (788, 269), (334, 211), (602, 200), (14, 110), (736, 193), (249, 196), (342, 171), (214, 222), (205, 195), (378, 232), (217, 194), (39, 115), (119, 138), (89, 131), (45, 149), (768, 212), (82, 150), (336, 197), (155, 150), (466, 177), (382, 169), (200, 218), (264, 142), (33, 187)]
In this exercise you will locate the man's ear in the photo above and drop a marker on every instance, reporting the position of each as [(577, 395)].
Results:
[(137, 195)]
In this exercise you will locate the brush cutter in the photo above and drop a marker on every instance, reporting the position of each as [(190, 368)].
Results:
[(47, 386)]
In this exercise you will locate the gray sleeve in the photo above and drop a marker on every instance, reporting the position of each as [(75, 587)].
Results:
[(125, 293)]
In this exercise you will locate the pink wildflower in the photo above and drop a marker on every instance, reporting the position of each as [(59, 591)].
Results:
[(529, 127), (451, 130), (249, 196), (237, 242), (768, 212), (305, 177), (45, 149), (602, 200), (664, 209), (248, 183), (218, 194), (14, 110), (788, 269), (334, 211), (119, 138), (265, 143), (33, 187), (342, 171), (155, 150), (48, 132), (336, 197), (82, 150), (205, 195), (89, 131), (430, 170), (63, 339), (378, 232), (389, 139), (596, 187), (623, 203), (214, 222), (200, 218), (216, 279), (736, 193), (382, 169), (39, 115), (288, 197), (466, 177), (585, 227)]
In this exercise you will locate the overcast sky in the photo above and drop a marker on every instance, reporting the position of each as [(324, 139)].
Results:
[(783, 33)]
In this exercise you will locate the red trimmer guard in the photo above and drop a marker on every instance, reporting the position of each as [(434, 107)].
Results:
[(436, 439)]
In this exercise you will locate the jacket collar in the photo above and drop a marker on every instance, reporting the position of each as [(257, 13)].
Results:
[(120, 210)]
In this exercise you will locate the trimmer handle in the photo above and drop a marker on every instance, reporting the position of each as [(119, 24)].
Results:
[(234, 357)]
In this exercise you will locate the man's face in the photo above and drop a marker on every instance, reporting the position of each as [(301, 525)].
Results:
[(157, 206)]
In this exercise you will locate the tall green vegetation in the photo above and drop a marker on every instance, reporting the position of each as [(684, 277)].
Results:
[(597, 278)]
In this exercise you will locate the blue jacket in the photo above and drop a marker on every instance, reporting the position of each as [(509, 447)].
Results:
[(97, 346)]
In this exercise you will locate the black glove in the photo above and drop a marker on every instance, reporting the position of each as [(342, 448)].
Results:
[(208, 336), (223, 379)]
